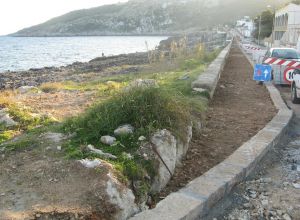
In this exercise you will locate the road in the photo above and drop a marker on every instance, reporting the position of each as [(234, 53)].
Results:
[(273, 190)]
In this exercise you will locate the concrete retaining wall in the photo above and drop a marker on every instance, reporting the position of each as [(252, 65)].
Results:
[(208, 80), (200, 195)]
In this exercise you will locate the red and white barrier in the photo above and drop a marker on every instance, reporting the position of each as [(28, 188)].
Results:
[(252, 48), (282, 62)]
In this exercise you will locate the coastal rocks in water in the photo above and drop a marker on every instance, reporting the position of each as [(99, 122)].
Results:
[(108, 140), (6, 119), (26, 89), (124, 130), (143, 83), (122, 197), (101, 153)]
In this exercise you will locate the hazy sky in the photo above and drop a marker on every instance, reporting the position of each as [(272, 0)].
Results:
[(18, 14)]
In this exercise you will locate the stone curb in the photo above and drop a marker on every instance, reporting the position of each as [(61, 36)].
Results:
[(200, 195), (208, 80)]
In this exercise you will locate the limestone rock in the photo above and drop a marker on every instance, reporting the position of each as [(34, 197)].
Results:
[(143, 83), (7, 120), (122, 197), (142, 138), (101, 153), (90, 163), (166, 146), (25, 89), (108, 140), (124, 130)]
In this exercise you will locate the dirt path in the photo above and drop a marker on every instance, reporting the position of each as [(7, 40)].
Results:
[(239, 109)]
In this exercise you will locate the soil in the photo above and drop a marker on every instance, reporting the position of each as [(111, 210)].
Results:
[(40, 184), (238, 110), (60, 104)]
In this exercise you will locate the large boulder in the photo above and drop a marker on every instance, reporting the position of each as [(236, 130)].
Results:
[(164, 144), (122, 197), (167, 152)]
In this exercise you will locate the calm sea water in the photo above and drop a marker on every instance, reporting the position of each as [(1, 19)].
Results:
[(28, 52)]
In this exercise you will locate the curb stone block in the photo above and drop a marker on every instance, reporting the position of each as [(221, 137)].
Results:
[(175, 206), (209, 79)]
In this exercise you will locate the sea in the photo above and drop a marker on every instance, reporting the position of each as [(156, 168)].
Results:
[(23, 53)]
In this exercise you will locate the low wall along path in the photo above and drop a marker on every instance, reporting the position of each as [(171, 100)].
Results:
[(239, 110)]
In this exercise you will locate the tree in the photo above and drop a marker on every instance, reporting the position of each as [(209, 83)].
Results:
[(297, 2), (266, 24)]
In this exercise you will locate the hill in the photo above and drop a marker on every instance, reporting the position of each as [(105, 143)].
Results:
[(142, 17)]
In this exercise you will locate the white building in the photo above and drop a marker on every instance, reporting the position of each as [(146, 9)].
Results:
[(245, 26), (287, 26)]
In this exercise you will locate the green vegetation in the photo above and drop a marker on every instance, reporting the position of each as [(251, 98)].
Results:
[(171, 106), (265, 20), (26, 120)]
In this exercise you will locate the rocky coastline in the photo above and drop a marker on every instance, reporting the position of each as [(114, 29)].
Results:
[(111, 65)]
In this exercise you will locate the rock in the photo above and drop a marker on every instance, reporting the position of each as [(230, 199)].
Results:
[(7, 121), (143, 83), (265, 203), (90, 163), (285, 184), (127, 155), (296, 185), (286, 217), (200, 90), (279, 212), (247, 205), (54, 137), (265, 180), (122, 197), (26, 89), (101, 153), (124, 130), (165, 144), (58, 148), (222, 86), (142, 138), (184, 77), (108, 140)]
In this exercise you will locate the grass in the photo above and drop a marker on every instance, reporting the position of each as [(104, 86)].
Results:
[(22, 115)]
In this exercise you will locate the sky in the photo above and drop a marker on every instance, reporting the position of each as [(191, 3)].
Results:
[(18, 14)]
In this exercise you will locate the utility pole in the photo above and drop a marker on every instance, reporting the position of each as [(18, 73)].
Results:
[(259, 29)]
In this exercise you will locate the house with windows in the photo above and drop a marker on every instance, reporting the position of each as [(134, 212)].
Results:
[(286, 31)]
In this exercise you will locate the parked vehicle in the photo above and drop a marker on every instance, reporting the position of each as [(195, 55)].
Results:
[(295, 87), (279, 71)]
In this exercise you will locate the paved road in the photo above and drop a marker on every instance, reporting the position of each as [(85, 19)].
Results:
[(273, 191)]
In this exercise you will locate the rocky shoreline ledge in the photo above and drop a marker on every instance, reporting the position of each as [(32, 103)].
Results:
[(112, 65)]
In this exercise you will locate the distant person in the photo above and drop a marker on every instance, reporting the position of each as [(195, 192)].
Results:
[(103, 54)]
